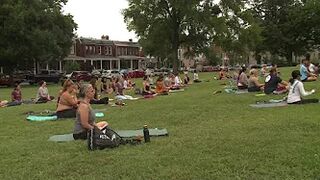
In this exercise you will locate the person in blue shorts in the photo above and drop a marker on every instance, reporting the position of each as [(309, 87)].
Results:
[(306, 75)]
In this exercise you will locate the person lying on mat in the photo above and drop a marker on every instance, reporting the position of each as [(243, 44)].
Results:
[(146, 86), (274, 84), (68, 103), (242, 81), (161, 89), (253, 83), (297, 90), (306, 75), (96, 99), (85, 116), (119, 90), (43, 93)]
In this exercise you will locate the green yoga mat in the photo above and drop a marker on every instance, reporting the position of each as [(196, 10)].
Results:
[(234, 91), (123, 133), (53, 118), (269, 105)]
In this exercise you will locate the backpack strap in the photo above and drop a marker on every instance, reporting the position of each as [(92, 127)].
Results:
[(294, 86)]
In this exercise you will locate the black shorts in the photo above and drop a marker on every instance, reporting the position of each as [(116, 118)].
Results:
[(68, 113), (254, 89)]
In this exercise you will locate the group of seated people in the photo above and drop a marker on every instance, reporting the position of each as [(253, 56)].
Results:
[(275, 85), (272, 84)]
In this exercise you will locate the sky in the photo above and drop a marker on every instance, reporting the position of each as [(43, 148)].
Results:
[(100, 17)]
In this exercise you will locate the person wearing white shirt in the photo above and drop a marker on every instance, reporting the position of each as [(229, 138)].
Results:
[(312, 68), (297, 90)]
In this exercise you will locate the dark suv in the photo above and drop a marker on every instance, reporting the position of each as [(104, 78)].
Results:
[(6, 80), (48, 76)]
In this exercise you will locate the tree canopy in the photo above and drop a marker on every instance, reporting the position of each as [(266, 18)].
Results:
[(34, 30), (163, 26)]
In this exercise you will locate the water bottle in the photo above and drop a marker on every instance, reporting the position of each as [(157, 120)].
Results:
[(146, 134)]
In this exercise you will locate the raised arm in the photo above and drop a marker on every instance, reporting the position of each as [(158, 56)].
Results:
[(302, 91)]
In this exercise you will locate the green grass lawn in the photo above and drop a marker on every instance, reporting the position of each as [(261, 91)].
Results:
[(210, 137)]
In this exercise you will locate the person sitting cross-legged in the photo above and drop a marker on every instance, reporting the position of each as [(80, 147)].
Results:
[(43, 93), (85, 116), (306, 75), (297, 91), (161, 89), (68, 103), (274, 84), (253, 82)]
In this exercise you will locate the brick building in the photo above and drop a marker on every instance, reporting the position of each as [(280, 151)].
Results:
[(102, 54)]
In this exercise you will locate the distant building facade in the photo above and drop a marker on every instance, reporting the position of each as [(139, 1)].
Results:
[(102, 54)]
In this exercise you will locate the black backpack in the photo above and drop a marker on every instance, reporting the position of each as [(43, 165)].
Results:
[(101, 139)]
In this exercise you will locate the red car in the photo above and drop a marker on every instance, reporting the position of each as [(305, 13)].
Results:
[(6, 80), (77, 76), (136, 74)]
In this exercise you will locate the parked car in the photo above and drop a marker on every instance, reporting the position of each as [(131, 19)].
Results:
[(96, 72), (77, 76), (48, 76), (136, 73), (114, 73), (124, 71), (7, 80)]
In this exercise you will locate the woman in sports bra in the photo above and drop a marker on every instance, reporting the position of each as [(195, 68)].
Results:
[(67, 101)]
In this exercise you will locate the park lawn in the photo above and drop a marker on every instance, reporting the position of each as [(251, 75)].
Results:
[(210, 137)]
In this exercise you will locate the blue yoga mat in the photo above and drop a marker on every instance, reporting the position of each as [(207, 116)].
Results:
[(53, 118)]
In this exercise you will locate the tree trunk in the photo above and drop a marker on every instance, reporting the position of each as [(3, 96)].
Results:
[(175, 48), (289, 58)]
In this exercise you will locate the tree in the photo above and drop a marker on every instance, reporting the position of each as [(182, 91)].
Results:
[(289, 26), (34, 30), (163, 26)]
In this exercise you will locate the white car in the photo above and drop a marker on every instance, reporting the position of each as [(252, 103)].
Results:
[(109, 73), (96, 72)]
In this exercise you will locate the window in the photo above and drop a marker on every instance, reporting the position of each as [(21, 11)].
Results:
[(87, 49), (106, 50), (93, 49), (110, 50), (118, 51), (99, 49)]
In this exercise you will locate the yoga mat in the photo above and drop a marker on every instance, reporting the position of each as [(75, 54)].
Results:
[(123, 133), (269, 105), (233, 91), (260, 95), (174, 91), (53, 118)]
